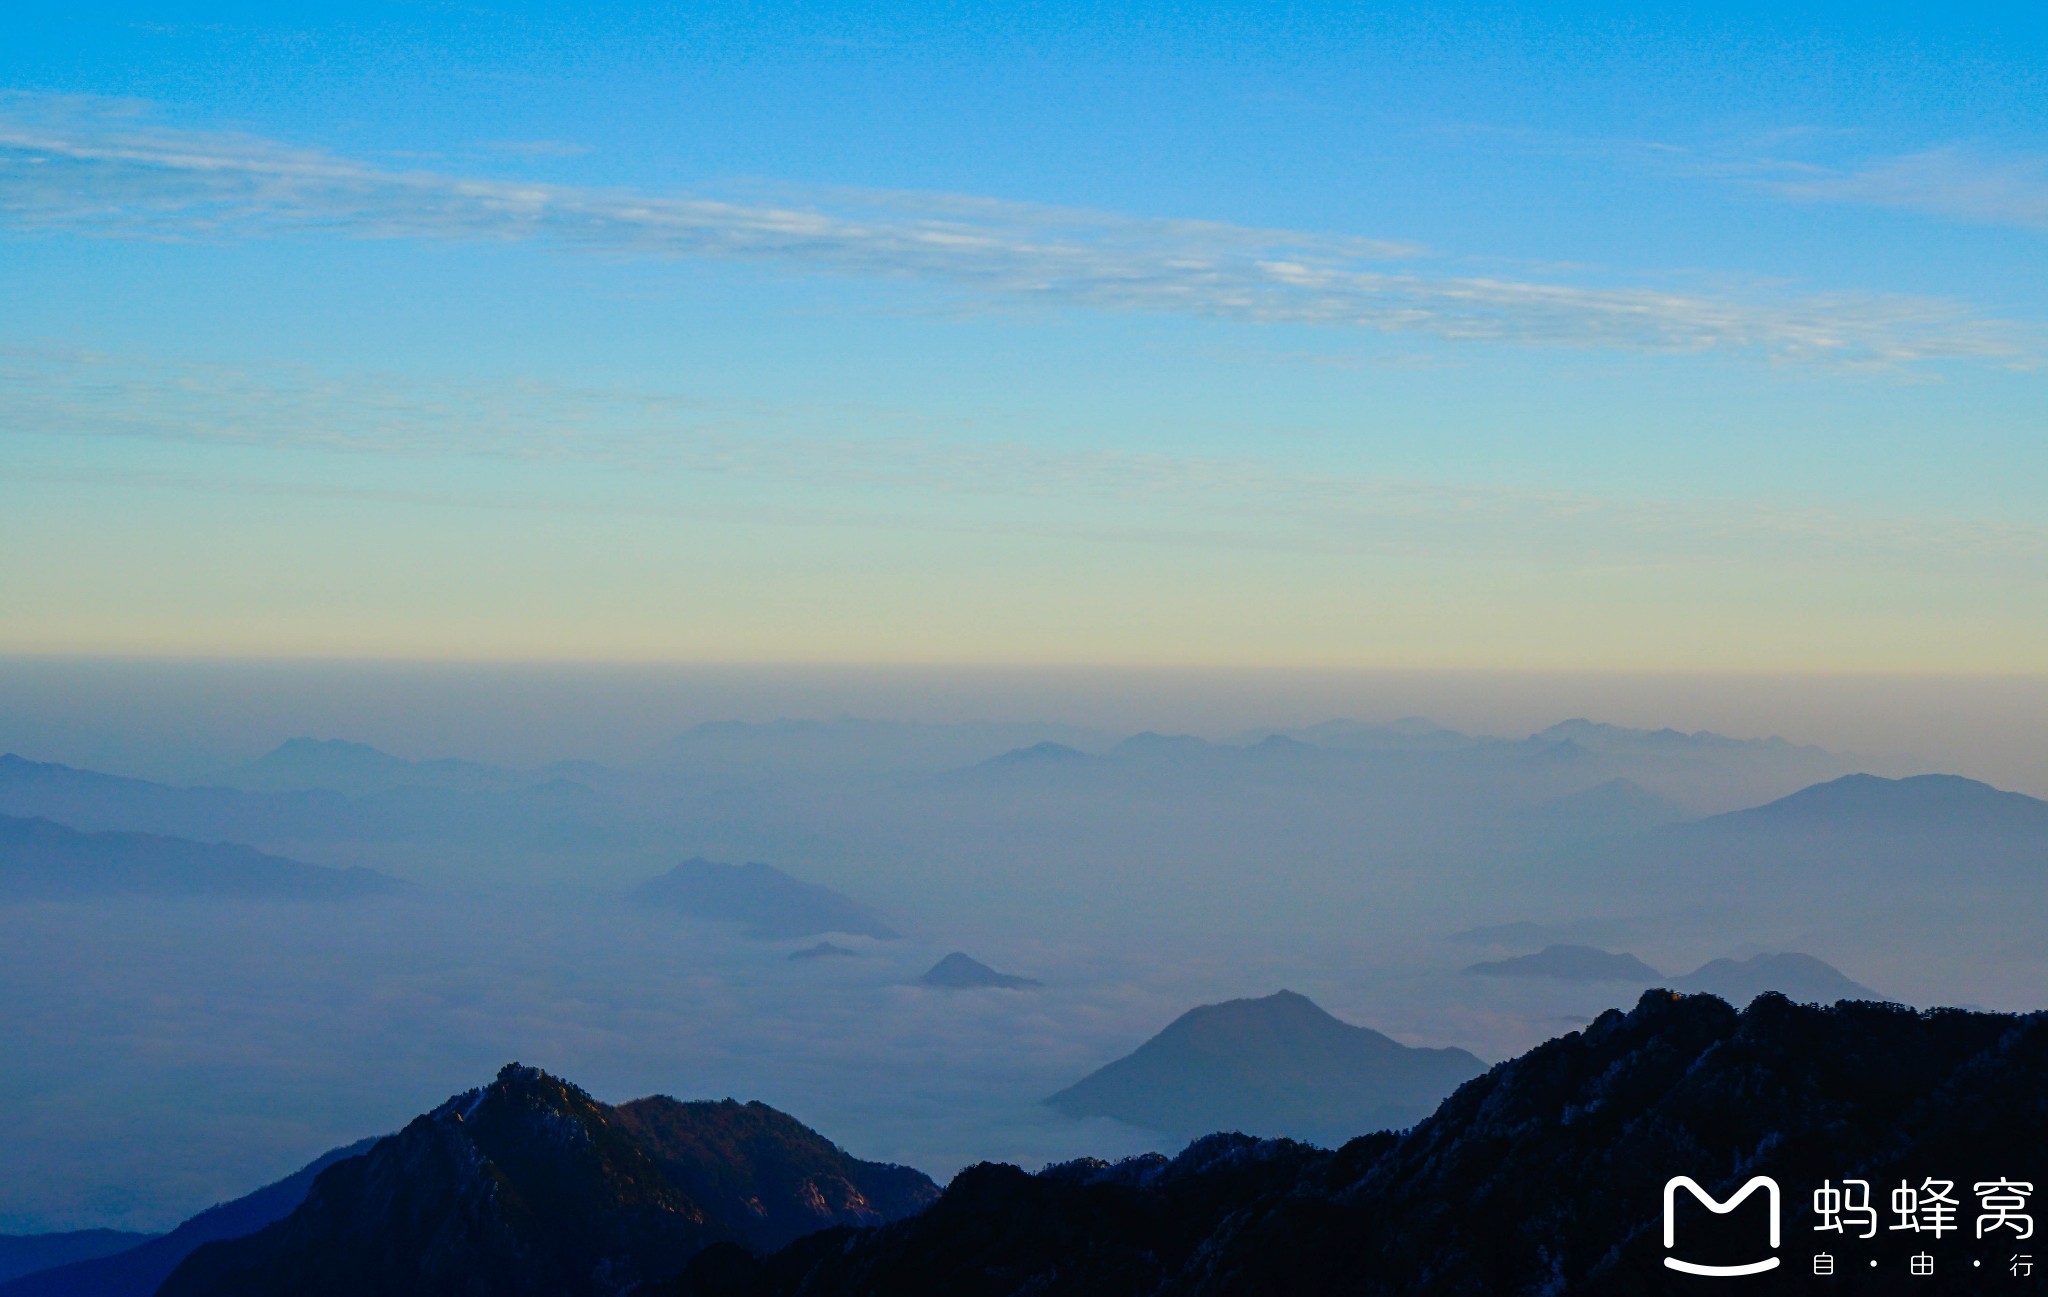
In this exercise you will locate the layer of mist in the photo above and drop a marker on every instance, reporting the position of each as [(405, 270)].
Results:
[(170, 1051)]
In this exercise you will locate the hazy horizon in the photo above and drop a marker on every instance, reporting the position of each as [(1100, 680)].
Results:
[(187, 719)]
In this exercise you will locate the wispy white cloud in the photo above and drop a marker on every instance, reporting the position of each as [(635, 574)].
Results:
[(1952, 182), (88, 167), (1958, 181), (538, 148)]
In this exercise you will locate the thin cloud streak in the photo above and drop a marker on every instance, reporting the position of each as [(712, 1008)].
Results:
[(85, 167), (1950, 183)]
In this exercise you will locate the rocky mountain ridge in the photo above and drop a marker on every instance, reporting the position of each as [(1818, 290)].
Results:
[(530, 1186)]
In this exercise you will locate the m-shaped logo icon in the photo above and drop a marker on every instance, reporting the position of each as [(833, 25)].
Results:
[(1719, 1208)]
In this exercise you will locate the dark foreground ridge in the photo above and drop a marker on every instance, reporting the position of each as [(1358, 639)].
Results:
[(531, 1187), (1543, 1176)]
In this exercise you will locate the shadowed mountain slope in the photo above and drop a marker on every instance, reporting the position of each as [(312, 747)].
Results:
[(530, 1186), (767, 902), (22, 1254), (43, 859), (1545, 1175), (1273, 1066), (137, 1271)]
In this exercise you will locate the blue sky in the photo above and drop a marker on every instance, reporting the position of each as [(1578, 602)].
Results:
[(1704, 338)]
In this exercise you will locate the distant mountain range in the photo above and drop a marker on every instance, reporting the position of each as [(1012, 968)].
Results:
[(1273, 1066), (1546, 1175), (22, 1254), (1045, 809), (1574, 781), (92, 801), (1738, 981), (958, 972), (528, 1187), (1409, 734), (550, 814), (42, 859), (358, 770), (1416, 736), (761, 898), (138, 1270), (728, 750), (1598, 736)]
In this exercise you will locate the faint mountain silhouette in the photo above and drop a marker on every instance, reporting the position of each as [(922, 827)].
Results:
[(729, 750), (1410, 734), (1616, 806), (957, 972), (1273, 1066), (1843, 846), (39, 858), (1792, 975), (1571, 964), (358, 770), (765, 901)]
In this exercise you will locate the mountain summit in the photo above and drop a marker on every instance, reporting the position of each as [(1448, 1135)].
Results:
[(1917, 803), (1273, 1066), (1848, 848), (1570, 963), (529, 1186), (960, 972)]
